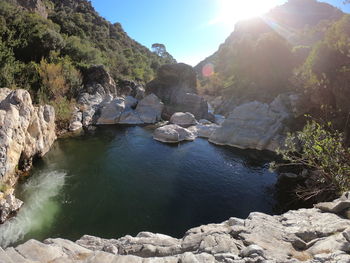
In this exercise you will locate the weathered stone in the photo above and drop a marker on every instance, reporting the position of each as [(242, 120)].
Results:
[(130, 102), (252, 250), (25, 132), (8, 205), (111, 112), (183, 119), (257, 125), (76, 121), (150, 109), (173, 134), (337, 206), (36, 251), (204, 130), (130, 117)]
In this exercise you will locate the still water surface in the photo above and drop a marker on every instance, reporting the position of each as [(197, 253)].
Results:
[(120, 181)]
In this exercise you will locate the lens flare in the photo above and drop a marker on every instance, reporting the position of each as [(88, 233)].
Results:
[(208, 70)]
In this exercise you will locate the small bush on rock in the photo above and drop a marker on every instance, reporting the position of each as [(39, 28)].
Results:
[(319, 149)]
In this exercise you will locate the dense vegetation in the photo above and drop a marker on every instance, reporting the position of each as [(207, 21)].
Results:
[(45, 48)]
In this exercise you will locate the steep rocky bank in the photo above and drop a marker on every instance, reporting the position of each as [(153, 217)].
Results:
[(320, 234), (26, 132)]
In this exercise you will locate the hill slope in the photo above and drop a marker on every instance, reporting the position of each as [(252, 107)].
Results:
[(258, 59)]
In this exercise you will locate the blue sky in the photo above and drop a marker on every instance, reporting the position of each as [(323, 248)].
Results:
[(190, 29)]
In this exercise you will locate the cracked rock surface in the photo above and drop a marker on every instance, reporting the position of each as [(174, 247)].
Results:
[(306, 235)]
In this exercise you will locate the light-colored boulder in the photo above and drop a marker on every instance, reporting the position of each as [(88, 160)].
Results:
[(37, 251), (150, 109), (173, 134), (76, 121), (111, 112), (257, 125), (204, 130), (219, 119), (8, 205), (184, 119), (130, 117), (130, 102), (25, 132)]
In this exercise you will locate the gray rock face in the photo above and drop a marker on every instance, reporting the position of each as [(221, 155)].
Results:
[(25, 132), (204, 130), (9, 204), (305, 235), (256, 125), (173, 134), (183, 119), (150, 109), (176, 86), (111, 112)]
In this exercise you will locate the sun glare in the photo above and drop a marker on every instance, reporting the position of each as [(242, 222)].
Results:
[(231, 11)]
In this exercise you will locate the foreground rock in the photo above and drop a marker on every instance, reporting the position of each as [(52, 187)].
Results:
[(173, 134), (257, 125), (26, 132), (306, 235), (176, 86)]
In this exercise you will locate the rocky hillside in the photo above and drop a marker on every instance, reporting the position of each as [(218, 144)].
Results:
[(278, 53), (47, 48), (315, 235)]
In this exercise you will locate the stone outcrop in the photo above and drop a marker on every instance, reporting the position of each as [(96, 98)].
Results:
[(257, 125), (26, 132), (35, 6), (103, 102), (176, 86), (306, 235), (130, 111)]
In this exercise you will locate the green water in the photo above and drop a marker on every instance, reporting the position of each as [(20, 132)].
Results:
[(120, 181)]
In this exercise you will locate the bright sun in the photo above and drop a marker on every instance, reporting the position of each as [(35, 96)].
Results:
[(230, 11)]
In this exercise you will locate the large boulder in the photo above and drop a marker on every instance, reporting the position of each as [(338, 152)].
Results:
[(26, 132), (184, 119), (111, 112), (150, 109), (176, 86), (173, 134), (257, 125)]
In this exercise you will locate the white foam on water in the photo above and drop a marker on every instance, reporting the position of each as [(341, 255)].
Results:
[(39, 209)]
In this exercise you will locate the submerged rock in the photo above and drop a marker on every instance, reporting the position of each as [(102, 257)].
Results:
[(173, 134), (305, 235)]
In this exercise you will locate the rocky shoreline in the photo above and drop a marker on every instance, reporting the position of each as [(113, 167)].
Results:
[(317, 235)]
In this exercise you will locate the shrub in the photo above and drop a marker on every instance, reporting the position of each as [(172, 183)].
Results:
[(319, 149)]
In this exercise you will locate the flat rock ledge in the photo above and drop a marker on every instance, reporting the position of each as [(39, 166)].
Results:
[(306, 235)]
